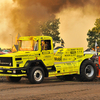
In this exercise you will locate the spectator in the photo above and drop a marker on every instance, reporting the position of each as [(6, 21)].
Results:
[(43, 45)]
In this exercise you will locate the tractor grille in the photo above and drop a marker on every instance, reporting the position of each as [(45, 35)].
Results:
[(6, 61)]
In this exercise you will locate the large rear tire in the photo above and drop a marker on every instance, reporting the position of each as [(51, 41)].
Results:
[(88, 71), (36, 75), (13, 79)]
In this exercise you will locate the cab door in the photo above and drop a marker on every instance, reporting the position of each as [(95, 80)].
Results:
[(47, 53)]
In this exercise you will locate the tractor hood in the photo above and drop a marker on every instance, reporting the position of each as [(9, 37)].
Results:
[(17, 59), (18, 54)]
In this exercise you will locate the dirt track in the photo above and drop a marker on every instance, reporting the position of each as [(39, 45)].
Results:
[(50, 89)]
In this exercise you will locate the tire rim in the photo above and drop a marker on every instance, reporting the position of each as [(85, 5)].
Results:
[(38, 75), (89, 71)]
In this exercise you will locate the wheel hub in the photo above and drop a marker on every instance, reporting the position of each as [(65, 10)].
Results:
[(89, 71), (37, 75)]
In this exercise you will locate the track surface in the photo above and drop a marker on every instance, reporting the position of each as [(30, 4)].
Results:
[(50, 89)]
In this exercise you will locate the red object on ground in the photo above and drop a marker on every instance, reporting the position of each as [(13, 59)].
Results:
[(98, 68)]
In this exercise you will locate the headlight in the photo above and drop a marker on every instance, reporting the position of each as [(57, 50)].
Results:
[(14, 71)]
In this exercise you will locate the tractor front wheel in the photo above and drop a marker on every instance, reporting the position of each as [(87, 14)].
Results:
[(36, 75)]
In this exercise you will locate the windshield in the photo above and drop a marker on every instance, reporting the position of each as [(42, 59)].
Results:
[(28, 45)]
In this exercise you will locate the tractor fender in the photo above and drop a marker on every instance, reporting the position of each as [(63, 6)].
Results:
[(33, 63)]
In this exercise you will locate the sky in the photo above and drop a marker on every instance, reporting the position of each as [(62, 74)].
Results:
[(74, 27), (23, 16)]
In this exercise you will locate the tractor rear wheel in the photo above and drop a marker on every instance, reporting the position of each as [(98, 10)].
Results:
[(88, 71)]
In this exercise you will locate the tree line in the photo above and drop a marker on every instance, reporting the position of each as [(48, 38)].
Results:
[(94, 35), (51, 28)]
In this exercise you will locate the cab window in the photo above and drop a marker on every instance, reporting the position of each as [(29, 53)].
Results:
[(45, 45), (28, 45)]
